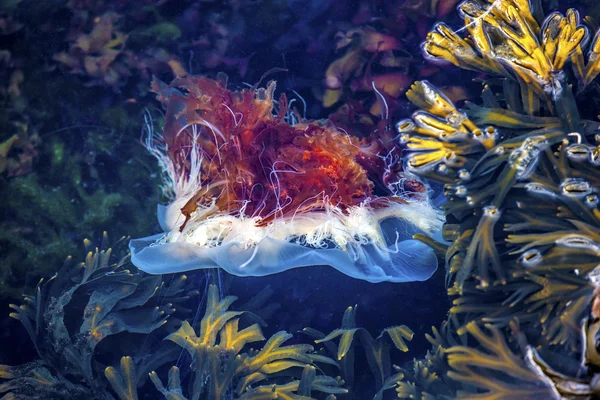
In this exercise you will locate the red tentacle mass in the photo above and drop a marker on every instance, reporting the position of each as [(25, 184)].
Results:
[(255, 161)]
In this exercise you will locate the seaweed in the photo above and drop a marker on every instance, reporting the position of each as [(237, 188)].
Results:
[(519, 169), (123, 381), (88, 315), (495, 369), (490, 178), (96, 54), (72, 196), (574, 384), (70, 315), (220, 366), (520, 174), (69, 136), (365, 48), (427, 378), (377, 350)]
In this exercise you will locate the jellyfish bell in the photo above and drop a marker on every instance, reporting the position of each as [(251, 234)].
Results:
[(256, 192), (376, 253)]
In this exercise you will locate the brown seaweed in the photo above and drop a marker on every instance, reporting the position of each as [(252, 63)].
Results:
[(104, 298), (521, 183), (377, 350), (218, 360)]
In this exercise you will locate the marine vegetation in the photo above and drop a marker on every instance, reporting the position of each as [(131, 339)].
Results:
[(102, 58), (72, 195), (218, 361), (520, 171), (375, 59), (523, 220), (89, 316), (59, 143), (365, 48), (256, 193), (96, 54), (76, 318), (377, 351)]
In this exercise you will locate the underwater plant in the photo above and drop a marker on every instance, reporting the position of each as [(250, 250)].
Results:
[(96, 54), (428, 378), (256, 193), (521, 184), (101, 56), (494, 369), (364, 49), (60, 178), (72, 195), (73, 317), (377, 350), (88, 315), (251, 183), (542, 153), (218, 360), (18, 152)]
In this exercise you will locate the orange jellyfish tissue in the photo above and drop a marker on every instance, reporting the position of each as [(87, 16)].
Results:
[(255, 189)]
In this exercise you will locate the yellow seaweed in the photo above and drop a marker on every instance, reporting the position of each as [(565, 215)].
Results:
[(221, 357), (520, 50), (123, 380), (522, 203), (377, 350), (495, 369)]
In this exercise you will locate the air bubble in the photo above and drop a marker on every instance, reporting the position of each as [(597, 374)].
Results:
[(578, 152), (405, 125), (531, 258), (578, 242), (464, 175), (460, 191), (491, 212), (592, 200), (575, 187)]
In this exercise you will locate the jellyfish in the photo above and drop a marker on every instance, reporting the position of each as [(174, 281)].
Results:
[(255, 189)]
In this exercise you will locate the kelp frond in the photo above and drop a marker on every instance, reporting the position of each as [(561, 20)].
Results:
[(174, 391), (223, 364), (521, 183), (377, 349), (494, 371), (505, 39), (123, 380), (115, 301), (427, 378), (33, 381)]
